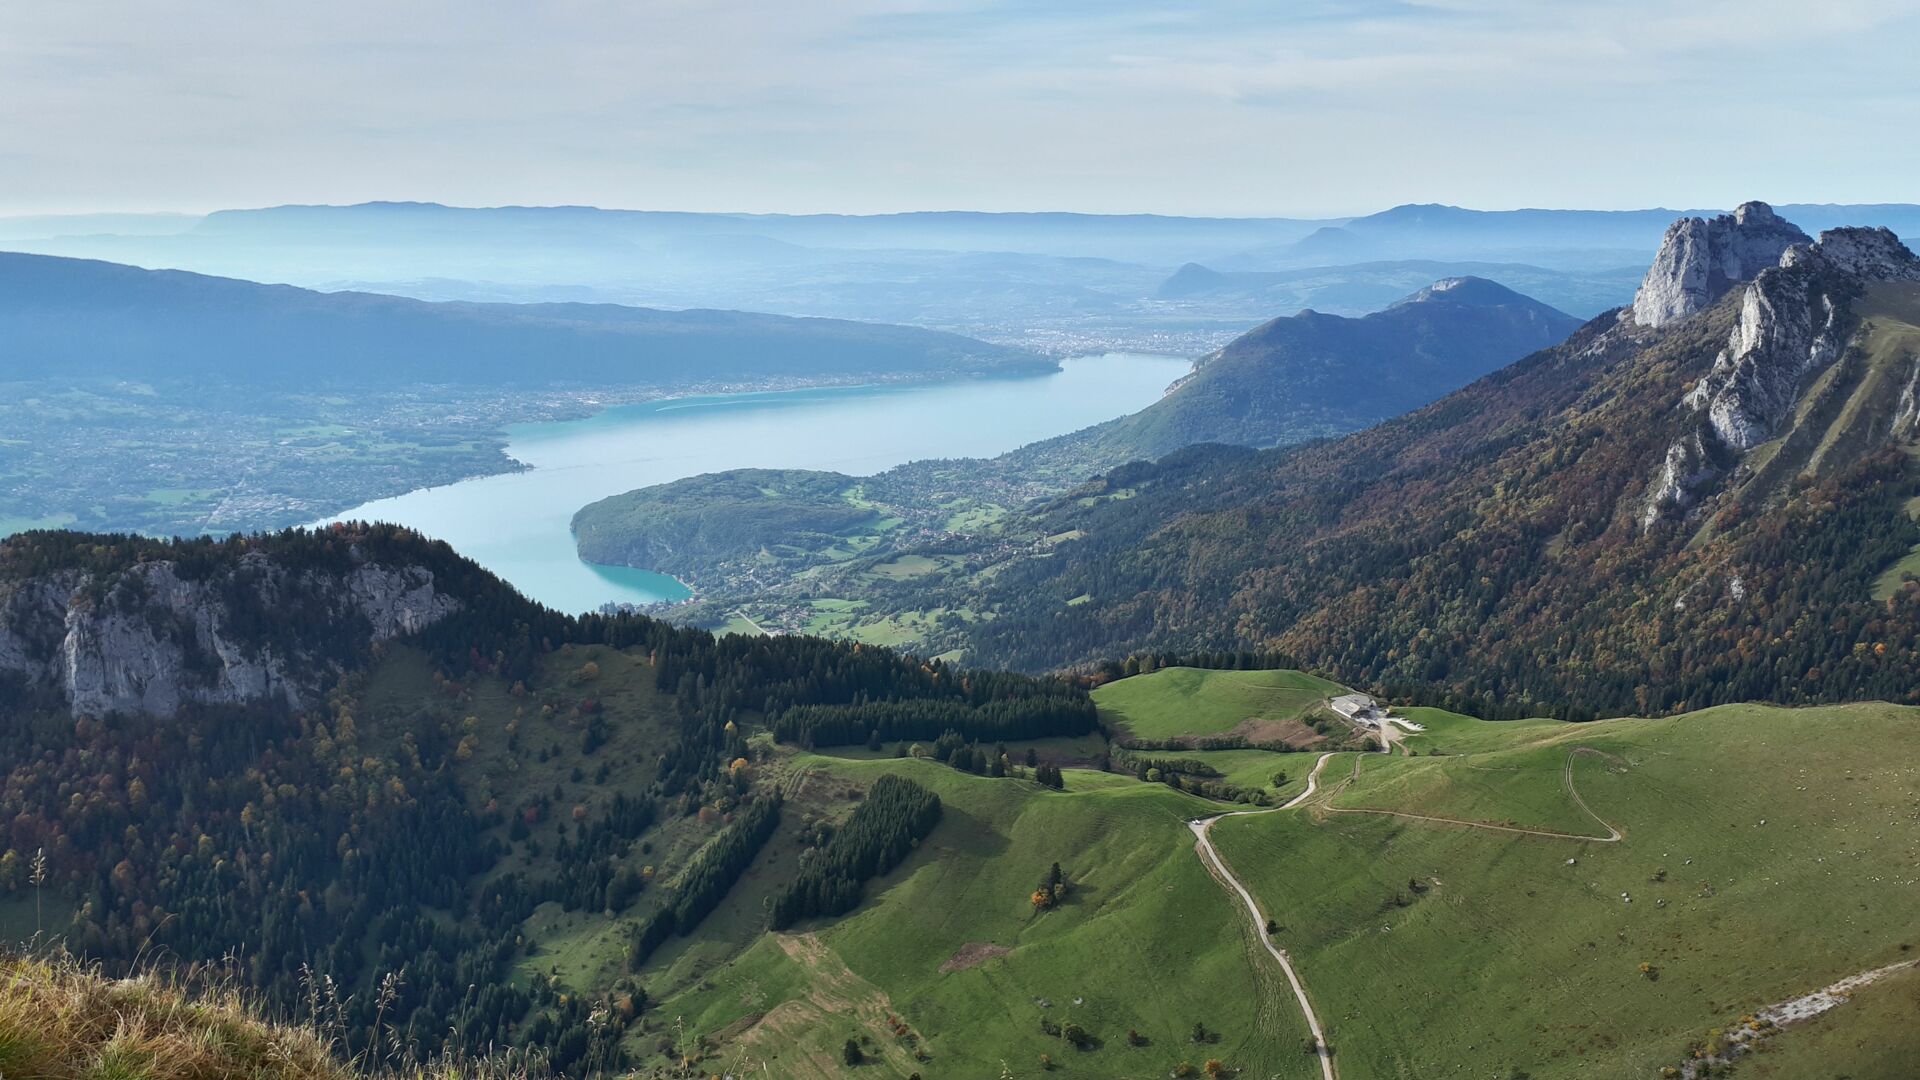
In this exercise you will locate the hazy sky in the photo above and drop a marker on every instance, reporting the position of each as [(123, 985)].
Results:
[(1262, 107)]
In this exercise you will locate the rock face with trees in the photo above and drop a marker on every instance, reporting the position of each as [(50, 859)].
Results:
[(115, 625), (1794, 321), (1495, 551)]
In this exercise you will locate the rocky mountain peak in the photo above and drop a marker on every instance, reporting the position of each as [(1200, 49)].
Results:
[(1793, 322), (1701, 260), (1868, 254)]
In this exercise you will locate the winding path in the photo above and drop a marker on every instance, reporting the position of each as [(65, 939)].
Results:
[(1218, 867), (1613, 832)]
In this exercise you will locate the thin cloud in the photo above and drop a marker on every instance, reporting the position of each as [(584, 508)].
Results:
[(874, 105)]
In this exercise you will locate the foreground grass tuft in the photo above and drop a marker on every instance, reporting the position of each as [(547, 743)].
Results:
[(63, 1020), (60, 1019)]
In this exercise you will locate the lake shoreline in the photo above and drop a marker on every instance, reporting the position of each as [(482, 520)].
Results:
[(567, 405), (518, 522)]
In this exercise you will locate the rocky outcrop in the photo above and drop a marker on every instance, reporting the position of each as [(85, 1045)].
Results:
[(151, 639), (1793, 322), (1688, 464), (1866, 254), (1788, 327), (1702, 260)]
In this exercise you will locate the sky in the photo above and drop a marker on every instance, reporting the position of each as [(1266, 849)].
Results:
[(1266, 107)]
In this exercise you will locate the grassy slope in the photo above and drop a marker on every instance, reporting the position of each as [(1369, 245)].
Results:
[(1253, 768), (61, 1020), (1870, 1036), (1505, 958), (1513, 958), (1191, 701), (1146, 941), (1521, 787), (1123, 843)]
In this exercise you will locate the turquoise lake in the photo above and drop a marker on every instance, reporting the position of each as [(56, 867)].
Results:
[(518, 524)]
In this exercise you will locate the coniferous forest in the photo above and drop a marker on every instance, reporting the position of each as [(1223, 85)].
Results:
[(896, 814)]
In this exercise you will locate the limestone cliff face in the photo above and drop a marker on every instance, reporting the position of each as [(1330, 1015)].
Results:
[(1788, 327), (1702, 260), (151, 640), (1793, 323)]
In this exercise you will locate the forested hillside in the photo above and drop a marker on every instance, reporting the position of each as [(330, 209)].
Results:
[(383, 835), (1580, 533), (691, 525), (1311, 375)]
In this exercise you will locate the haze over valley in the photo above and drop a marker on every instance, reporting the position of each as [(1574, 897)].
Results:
[(901, 540)]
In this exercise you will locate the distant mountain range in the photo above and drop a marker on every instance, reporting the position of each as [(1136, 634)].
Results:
[(1554, 238), (1129, 237), (1057, 283), (1143, 238), (1358, 288), (73, 318)]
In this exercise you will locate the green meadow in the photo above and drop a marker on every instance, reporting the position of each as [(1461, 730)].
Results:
[(951, 945), (1179, 702), (1455, 912), (1767, 852)]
